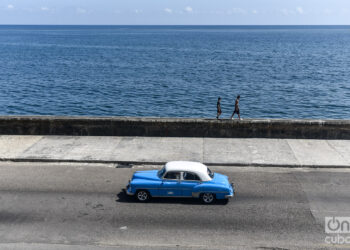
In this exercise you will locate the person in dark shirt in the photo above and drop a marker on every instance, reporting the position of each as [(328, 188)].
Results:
[(218, 108), (236, 111)]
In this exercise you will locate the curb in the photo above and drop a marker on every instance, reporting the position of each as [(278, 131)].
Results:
[(128, 164)]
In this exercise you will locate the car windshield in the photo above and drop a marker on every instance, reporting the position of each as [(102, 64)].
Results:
[(210, 173), (161, 172)]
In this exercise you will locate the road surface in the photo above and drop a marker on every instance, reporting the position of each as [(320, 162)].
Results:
[(82, 206)]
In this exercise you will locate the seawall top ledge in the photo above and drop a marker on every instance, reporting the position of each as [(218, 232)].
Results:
[(175, 127)]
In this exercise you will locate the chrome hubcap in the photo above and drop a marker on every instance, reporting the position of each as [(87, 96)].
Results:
[(142, 195), (207, 197)]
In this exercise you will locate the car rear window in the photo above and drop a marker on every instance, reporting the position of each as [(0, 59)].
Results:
[(161, 172)]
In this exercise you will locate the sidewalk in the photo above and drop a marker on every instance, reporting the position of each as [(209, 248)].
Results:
[(158, 150)]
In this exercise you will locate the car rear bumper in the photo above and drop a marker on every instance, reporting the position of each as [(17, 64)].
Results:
[(128, 190)]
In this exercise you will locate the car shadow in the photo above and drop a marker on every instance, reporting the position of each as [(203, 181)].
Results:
[(124, 198)]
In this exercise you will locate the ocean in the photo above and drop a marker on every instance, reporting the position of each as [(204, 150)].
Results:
[(175, 71)]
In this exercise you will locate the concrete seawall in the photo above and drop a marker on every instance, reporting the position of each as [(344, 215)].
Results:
[(174, 127)]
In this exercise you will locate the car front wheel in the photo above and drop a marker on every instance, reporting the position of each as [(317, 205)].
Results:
[(142, 195), (208, 198)]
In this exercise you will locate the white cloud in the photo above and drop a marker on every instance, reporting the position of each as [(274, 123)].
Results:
[(168, 10), (81, 11), (236, 11), (215, 12), (300, 10), (287, 12), (44, 8), (254, 11), (138, 11), (328, 11), (10, 6), (188, 9), (345, 11)]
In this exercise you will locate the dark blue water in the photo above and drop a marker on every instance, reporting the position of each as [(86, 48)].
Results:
[(280, 72)]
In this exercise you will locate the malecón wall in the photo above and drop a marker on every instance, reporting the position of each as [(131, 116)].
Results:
[(174, 127)]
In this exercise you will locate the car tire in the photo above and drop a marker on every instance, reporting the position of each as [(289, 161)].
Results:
[(142, 195), (207, 198)]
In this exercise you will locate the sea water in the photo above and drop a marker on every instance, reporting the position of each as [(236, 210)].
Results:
[(175, 71)]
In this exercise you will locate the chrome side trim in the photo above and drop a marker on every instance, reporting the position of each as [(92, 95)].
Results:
[(214, 192), (194, 181), (161, 196), (161, 188)]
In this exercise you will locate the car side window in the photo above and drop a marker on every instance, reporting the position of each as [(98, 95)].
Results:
[(190, 176), (172, 176)]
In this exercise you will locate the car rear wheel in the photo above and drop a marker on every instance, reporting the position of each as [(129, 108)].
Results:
[(142, 195), (208, 198)]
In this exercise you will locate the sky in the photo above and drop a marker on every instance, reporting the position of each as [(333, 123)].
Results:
[(176, 12)]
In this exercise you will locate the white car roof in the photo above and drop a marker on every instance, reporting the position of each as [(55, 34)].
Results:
[(195, 167)]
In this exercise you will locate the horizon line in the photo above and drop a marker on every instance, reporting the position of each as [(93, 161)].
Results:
[(174, 24)]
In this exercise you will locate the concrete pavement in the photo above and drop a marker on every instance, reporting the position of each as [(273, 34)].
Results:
[(82, 206), (157, 150)]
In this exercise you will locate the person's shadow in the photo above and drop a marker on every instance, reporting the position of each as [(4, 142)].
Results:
[(124, 198)]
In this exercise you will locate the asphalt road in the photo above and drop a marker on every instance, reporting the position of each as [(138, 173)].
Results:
[(81, 206)]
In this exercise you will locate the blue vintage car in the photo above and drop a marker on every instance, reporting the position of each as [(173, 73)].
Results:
[(180, 179)]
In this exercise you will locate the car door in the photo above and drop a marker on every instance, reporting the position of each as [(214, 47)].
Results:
[(170, 185), (188, 182)]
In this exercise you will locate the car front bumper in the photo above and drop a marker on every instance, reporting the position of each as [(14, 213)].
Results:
[(232, 194)]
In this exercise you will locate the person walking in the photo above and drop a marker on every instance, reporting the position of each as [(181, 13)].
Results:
[(218, 108), (236, 111)]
